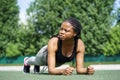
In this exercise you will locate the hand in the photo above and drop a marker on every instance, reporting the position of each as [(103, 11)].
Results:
[(68, 71), (90, 70)]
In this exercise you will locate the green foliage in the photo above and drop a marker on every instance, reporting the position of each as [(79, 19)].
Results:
[(12, 50), (112, 47), (8, 23), (30, 49), (96, 24), (46, 17), (30, 41), (26, 39)]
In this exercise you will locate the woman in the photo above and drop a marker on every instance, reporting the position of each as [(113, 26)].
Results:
[(64, 48)]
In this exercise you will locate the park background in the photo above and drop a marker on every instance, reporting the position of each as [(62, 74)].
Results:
[(100, 22)]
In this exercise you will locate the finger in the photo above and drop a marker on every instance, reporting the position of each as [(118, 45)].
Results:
[(90, 71), (72, 68), (68, 71), (89, 67)]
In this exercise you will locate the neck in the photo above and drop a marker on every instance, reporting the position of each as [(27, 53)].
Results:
[(68, 42), (67, 47)]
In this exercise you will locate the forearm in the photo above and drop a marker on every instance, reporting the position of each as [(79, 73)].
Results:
[(66, 71), (56, 71), (81, 71)]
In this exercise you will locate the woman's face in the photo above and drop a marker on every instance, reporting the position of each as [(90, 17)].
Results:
[(66, 31)]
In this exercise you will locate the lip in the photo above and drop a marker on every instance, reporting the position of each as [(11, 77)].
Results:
[(61, 36)]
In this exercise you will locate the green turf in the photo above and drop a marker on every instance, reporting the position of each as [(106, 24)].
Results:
[(86, 63), (93, 63), (99, 75), (96, 63)]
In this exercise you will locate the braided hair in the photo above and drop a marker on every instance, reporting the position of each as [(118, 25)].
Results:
[(76, 26)]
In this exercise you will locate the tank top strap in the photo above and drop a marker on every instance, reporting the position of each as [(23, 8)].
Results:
[(75, 46), (59, 45)]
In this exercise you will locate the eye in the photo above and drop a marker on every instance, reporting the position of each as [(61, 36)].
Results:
[(66, 30), (61, 28)]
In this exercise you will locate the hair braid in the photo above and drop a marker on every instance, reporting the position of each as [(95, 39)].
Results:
[(76, 26)]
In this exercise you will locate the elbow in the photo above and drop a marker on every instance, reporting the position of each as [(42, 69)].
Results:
[(51, 71), (80, 71)]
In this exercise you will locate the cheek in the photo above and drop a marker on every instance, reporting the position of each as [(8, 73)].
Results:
[(70, 35)]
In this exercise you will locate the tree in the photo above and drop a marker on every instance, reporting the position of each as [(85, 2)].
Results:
[(118, 17), (112, 46), (46, 17), (8, 23), (27, 41)]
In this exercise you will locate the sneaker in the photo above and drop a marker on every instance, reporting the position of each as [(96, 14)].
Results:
[(26, 67), (36, 69)]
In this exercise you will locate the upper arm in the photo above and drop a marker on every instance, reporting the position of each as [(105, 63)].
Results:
[(80, 55), (52, 47)]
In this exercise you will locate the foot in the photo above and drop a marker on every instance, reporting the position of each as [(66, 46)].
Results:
[(36, 69), (26, 67)]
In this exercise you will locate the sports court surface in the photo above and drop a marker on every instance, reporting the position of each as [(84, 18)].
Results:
[(102, 72)]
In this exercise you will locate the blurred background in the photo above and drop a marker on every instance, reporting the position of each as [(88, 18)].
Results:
[(27, 25)]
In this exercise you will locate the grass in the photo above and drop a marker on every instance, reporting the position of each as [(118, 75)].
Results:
[(85, 64), (94, 63), (98, 75)]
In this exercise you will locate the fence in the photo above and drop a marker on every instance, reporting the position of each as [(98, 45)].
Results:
[(88, 58)]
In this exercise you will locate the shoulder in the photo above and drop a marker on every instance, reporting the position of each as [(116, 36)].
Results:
[(80, 42), (53, 43), (80, 46)]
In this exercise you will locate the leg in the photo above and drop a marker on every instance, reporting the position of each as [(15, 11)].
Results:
[(36, 69), (39, 59), (30, 61), (26, 67)]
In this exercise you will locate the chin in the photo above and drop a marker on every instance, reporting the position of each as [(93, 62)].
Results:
[(62, 38)]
